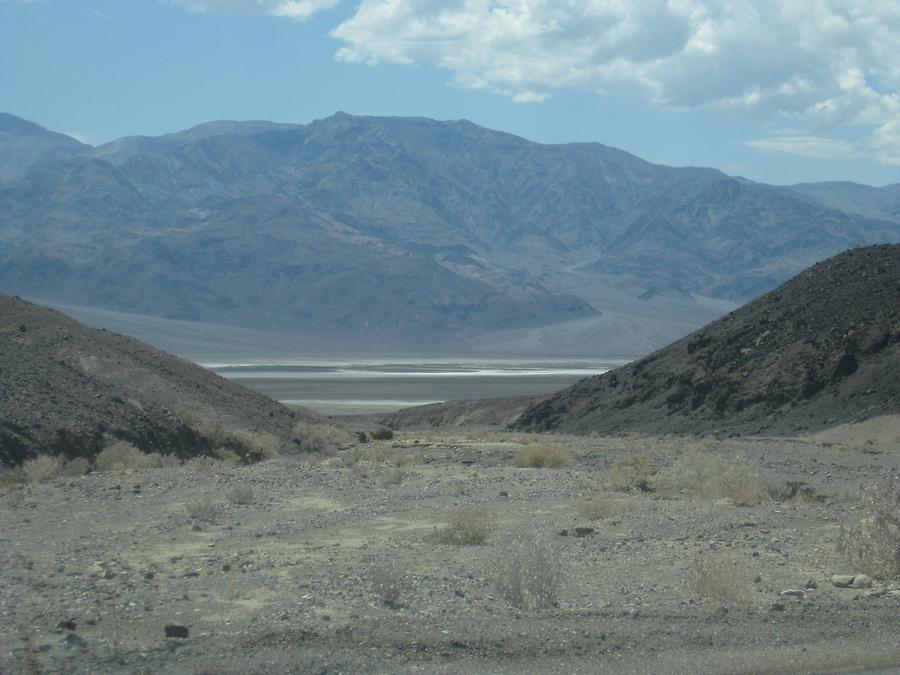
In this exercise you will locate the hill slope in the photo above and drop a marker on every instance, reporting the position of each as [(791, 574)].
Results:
[(822, 349), (64, 387), (386, 228)]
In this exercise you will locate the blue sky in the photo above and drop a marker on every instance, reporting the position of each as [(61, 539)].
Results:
[(781, 92)]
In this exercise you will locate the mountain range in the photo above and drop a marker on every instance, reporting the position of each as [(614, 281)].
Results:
[(408, 231)]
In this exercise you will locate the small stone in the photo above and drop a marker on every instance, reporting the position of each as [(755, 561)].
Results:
[(584, 531), (794, 592), (811, 584), (842, 580), (226, 567), (563, 533), (776, 607), (173, 630), (73, 640), (862, 581), (504, 493), (67, 624)]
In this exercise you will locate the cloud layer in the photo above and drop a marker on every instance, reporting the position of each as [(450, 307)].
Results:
[(299, 10), (817, 64)]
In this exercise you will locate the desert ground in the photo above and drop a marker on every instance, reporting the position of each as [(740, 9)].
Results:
[(435, 551)]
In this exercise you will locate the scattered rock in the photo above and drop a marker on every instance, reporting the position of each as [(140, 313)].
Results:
[(842, 580), (862, 581), (794, 592), (67, 624), (73, 640), (811, 584), (584, 531), (777, 607), (174, 630)]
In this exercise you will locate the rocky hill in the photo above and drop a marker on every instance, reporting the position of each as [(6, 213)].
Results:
[(822, 349), (67, 389), (387, 228)]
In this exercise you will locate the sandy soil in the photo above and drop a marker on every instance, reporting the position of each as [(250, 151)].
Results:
[(93, 568)]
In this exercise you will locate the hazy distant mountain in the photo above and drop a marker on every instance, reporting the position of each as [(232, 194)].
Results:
[(25, 145), (387, 227), (883, 202)]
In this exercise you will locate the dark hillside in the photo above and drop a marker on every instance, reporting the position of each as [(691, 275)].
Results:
[(65, 388), (822, 349)]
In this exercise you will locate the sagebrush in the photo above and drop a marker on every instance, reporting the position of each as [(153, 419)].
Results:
[(527, 572), (543, 456), (873, 544)]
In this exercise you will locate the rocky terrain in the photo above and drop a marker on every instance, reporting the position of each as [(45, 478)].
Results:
[(333, 564), (822, 349), (66, 389), (406, 229)]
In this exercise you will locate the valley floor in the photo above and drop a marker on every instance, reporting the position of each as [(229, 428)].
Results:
[(333, 566)]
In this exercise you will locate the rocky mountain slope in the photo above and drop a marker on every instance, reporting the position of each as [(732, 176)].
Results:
[(387, 227), (67, 389), (822, 349)]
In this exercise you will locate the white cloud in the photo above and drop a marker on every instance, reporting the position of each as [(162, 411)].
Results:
[(807, 146), (299, 10), (80, 137), (816, 64)]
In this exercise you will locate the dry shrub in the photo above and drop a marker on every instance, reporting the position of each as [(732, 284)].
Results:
[(205, 465), (227, 456), (205, 510), (384, 434), (597, 508), (241, 494), (42, 468), (873, 545), (11, 476), (721, 577), (630, 472), (393, 477), (257, 445), (321, 437), (120, 456), (77, 466), (713, 477), (468, 527), (543, 456), (527, 572)]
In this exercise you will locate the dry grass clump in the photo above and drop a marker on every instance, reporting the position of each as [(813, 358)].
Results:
[(873, 545), (227, 456), (468, 527), (10, 476), (322, 438), (527, 572), (256, 445), (597, 508), (631, 472), (241, 494), (205, 465), (42, 468), (121, 456), (543, 456), (204, 510), (721, 577), (77, 466), (710, 476)]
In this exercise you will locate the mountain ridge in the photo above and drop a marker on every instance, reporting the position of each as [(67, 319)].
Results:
[(388, 227)]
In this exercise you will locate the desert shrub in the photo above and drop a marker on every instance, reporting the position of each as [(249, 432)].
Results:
[(596, 508), (710, 476), (119, 456), (393, 477), (322, 438), (630, 472), (722, 577), (205, 510), (527, 572), (77, 466), (10, 476), (873, 545), (384, 434), (42, 468), (205, 464), (388, 583), (257, 445), (241, 494), (468, 527), (543, 456), (227, 456)]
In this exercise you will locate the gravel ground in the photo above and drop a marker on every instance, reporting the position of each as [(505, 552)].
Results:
[(331, 565)]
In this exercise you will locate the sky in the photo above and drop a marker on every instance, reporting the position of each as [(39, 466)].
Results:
[(776, 91)]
